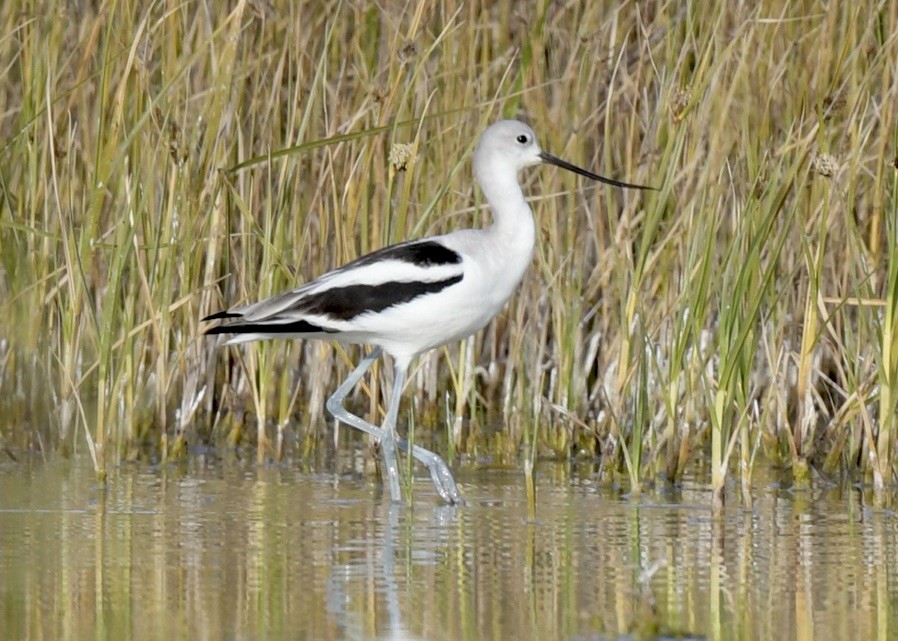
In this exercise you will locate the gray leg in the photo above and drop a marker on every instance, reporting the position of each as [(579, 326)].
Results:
[(388, 443), (439, 471), (386, 435), (334, 404)]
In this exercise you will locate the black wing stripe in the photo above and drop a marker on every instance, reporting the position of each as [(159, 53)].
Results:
[(426, 253), (296, 327), (345, 303)]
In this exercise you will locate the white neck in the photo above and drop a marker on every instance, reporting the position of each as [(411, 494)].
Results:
[(512, 217), (513, 232)]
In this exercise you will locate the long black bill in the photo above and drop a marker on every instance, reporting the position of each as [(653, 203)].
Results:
[(558, 162)]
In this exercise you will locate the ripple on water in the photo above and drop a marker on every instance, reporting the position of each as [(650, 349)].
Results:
[(226, 549)]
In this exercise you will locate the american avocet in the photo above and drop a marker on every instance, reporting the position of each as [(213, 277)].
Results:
[(409, 298)]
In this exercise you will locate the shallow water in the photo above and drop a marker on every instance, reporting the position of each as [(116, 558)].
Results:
[(228, 550)]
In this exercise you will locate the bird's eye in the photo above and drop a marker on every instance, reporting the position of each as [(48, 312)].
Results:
[(523, 139)]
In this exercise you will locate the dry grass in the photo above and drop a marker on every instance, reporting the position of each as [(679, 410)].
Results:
[(161, 161)]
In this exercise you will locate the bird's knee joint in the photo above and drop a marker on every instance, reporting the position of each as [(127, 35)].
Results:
[(334, 406)]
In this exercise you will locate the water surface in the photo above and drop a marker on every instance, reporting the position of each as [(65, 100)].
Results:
[(230, 550)]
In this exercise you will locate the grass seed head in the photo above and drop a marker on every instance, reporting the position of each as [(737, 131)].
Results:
[(401, 154), (825, 165)]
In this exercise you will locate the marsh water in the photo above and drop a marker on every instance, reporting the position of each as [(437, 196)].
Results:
[(226, 549)]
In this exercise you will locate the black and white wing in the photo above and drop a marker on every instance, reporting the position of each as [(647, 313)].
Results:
[(330, 304)]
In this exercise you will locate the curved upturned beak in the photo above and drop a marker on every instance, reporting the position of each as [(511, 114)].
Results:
[(558, 162)]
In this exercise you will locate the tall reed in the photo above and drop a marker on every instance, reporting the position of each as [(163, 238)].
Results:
[(161, 161)]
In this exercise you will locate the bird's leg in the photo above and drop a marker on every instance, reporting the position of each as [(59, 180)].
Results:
[(335, 401), (388, 443), (439, 471), (385, 435)]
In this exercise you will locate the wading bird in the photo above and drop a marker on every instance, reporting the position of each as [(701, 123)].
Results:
[(409, 298)]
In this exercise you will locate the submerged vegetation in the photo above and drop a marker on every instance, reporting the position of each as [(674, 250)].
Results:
[(161, 160)]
